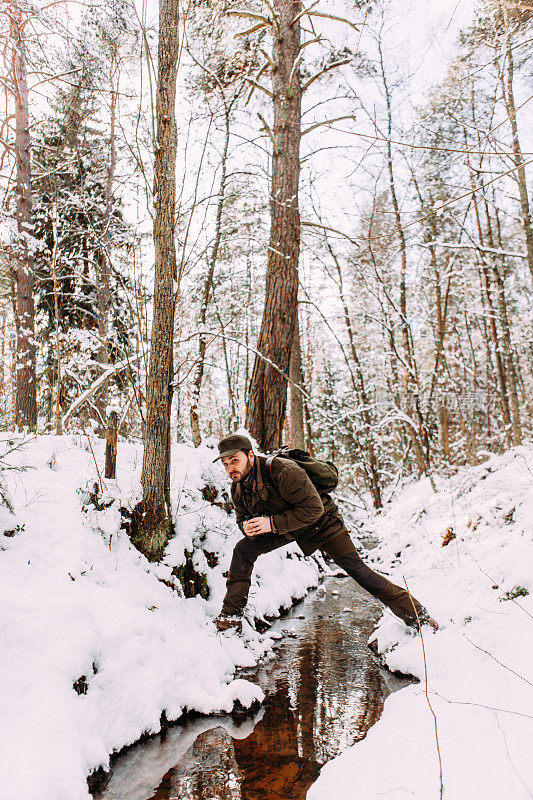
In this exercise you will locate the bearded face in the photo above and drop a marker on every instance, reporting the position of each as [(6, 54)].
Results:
[(239, 465)]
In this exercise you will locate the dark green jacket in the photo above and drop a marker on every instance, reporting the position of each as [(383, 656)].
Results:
[(296, 510)]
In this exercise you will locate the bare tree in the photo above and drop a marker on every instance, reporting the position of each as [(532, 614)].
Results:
[(415, 427), (26, 382), (507, 82), (103, 291), (228, 104), (152, 519)]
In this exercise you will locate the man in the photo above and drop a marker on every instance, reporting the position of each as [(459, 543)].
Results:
[(280, 505)]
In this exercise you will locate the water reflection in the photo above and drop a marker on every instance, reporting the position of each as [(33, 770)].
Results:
[(324, 690)]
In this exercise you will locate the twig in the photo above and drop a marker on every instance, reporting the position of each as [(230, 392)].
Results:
[(495, 659), (441, 794), (481, 705), (96, 465)]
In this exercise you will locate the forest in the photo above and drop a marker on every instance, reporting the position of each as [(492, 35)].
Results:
[(307, 222), (350, 247)]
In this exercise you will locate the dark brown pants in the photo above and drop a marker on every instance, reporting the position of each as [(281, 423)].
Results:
[(341, 549)]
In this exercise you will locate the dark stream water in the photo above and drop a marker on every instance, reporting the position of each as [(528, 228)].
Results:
[(324, 690)]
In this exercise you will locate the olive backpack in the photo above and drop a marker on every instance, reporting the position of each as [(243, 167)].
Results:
[(324, 475)]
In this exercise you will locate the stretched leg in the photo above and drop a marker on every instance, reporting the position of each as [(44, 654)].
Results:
[(343, 552), (245, 553)]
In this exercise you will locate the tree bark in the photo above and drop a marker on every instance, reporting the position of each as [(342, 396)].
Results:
[(229, 381), (514, 406), (103, 291), (58, 410), (518, 158), (267, 399), (111, 446), (500, 369), (26, 384), (297, 436), (152, 520)]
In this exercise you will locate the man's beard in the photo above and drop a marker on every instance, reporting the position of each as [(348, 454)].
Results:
[(241, 476)]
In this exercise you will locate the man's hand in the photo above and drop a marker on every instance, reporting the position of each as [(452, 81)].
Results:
[(257, 525)]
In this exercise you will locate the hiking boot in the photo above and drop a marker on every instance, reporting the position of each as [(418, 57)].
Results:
[(226, 622), (261, 625)]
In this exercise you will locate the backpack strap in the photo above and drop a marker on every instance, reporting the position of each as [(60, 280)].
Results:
[(268, 465), (268, 462)]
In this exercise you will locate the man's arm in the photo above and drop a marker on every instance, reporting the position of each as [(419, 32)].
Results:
[(240, 512), (296, 488)]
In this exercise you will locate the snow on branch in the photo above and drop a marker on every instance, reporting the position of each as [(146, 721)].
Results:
[(113, 370), (240, 12), (467, 246), (334, 17)]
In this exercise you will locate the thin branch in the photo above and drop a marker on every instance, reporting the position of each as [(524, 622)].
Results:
[(467, 246), (334, 17), (237, 12), (323, 71), (258, 86), (269, 131), (252, 30), (496, 660), (426, 689), (304, 11), (325, 122)]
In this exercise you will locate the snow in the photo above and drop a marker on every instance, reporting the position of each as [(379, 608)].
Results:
[(479, 677), (76, 599)]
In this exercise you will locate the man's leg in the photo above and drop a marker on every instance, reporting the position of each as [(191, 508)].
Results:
[(245, 553), (342, 550)]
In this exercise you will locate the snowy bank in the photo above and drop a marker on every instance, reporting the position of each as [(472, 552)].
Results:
[(467, 552), (97, 643)]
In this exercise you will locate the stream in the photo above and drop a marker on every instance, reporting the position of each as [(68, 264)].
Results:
[(324, 690)]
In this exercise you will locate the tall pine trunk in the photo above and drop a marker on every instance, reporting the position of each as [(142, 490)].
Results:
[(152, 520), (267, 398), (297, 436), (26, 384)]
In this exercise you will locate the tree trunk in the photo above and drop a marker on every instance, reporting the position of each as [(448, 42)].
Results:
[(514, 407), (111, 446), (368, 448), (518, 158), (208, 285), (26, 385), (438, 378), (267, 399), (103, 291), (58, 409), (152, 520), (415, 430), (500, 370), (297, 436), (229, 381)]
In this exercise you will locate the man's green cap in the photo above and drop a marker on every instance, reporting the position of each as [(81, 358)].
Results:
[(232, 444)]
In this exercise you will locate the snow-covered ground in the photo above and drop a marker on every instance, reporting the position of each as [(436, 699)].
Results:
[(479, 665), (79, 605)]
